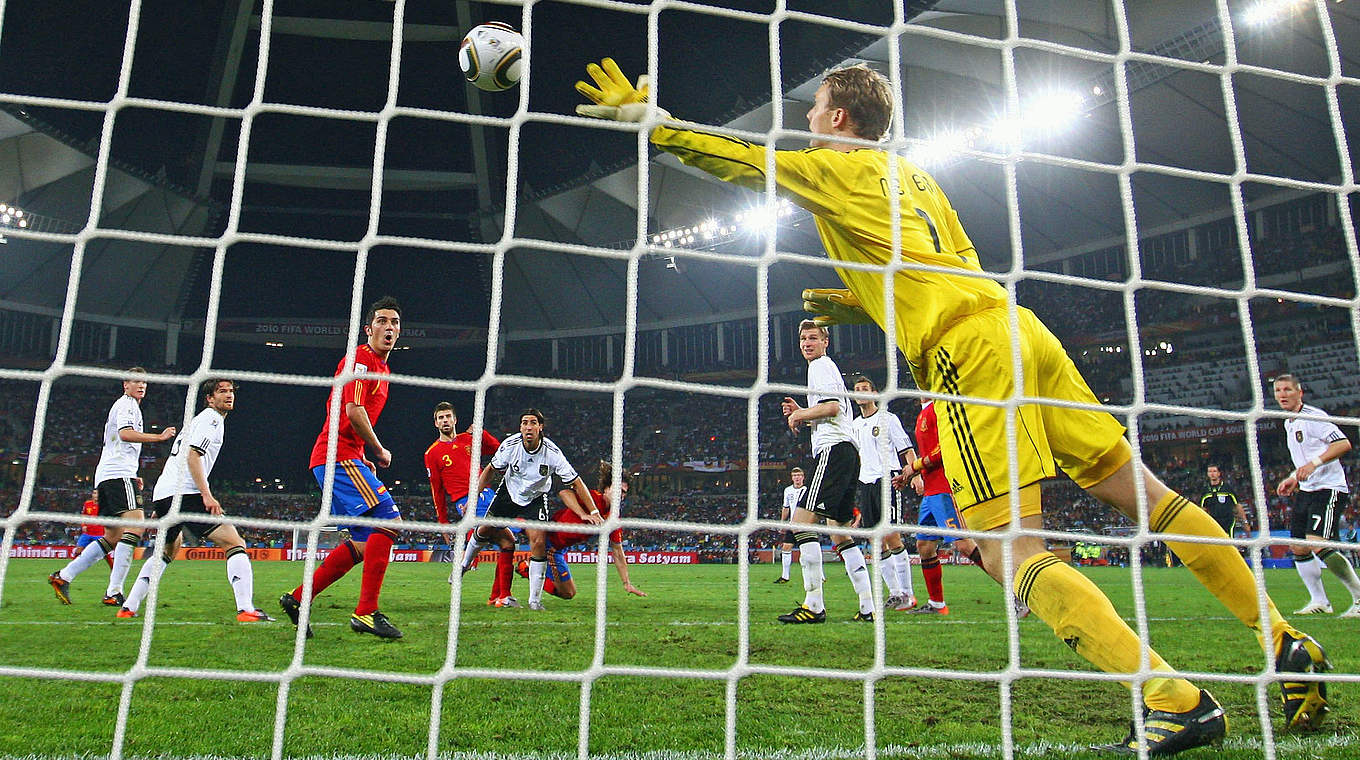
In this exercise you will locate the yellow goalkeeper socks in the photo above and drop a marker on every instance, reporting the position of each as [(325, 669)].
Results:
[(1218, 566), (1085, 620)]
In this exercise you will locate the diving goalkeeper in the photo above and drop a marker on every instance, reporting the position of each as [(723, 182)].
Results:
[(954, 326)]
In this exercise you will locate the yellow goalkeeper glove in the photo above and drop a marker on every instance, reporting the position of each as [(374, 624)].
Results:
[(834, 306), (615, 98)]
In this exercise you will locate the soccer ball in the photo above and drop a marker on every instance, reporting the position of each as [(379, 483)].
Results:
[(490, 56)]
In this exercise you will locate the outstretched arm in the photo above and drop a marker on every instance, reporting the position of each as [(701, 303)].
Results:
[(621, 565)]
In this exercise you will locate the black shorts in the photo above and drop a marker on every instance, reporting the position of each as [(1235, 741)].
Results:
[(831, 493), (118, 495), (871, 505), (505, 507), (1315, 513), (787, 537), (191, 505)]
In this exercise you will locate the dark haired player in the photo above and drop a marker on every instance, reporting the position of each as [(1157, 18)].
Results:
[(357, 491)]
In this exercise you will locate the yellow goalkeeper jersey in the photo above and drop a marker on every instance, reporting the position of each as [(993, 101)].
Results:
[(849, 192)]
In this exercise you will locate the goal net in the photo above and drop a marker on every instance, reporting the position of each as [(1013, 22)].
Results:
[(1168, 189)]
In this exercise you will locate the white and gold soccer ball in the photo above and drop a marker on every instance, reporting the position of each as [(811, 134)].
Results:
[(490, 56)]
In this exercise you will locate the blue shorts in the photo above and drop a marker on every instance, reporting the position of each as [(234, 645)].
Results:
[(938, 510), (557, 566), (357, 493), (85, 540), (484, 500)]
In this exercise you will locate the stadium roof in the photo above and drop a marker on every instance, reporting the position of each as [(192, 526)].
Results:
[(309, 172)]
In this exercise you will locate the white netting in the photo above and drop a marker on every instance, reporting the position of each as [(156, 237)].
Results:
[(899, 34)]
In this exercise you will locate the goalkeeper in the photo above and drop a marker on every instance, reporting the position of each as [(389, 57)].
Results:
[(953, 323)]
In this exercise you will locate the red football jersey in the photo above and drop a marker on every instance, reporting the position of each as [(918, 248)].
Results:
[(447, 464), (928, 445), (561, 540), (368, 392), (92, 510)]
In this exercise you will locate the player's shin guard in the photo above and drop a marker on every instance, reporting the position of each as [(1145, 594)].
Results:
[(122, 562), (1218, 566), (904, 573), (930, 568), (787, 560), (1342, 570), (1309, 568), (339, 561), (505, 574), (242, 578), (855, 567), (92, 553), (810, 560), (1085, 620), (887, 568), (377, 553), (151, 572), (474, 546), (538, 570)]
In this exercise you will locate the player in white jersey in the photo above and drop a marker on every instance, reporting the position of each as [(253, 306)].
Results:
[(529, 461), (186, 476), (831, 494), (793, 494), (884, 447), (118, 486), (1321, 495)]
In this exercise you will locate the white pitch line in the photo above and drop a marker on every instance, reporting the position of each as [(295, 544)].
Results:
[(1291, 744)]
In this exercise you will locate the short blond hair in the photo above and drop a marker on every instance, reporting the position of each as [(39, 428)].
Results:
[(809, 324), (866, 96)]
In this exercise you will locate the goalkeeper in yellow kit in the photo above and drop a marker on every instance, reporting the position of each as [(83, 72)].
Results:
[(954, 328)]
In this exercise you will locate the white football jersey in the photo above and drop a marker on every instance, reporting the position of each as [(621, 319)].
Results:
[(529, 473), (826, 384), (120, 458), (1308, 439), (792, 496), (879, 437), (203, 435)]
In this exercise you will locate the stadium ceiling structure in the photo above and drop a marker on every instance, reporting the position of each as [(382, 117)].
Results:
[(309, 168)]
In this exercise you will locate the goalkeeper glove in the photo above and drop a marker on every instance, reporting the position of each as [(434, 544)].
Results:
[(615, 98), (834, 306)]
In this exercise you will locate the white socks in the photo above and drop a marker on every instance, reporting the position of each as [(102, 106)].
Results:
[(887, 567), (538, 570), (242, 580), (91, 554), (122, 562), (151, 571), (473, 548), (788, 563), (1342, 569), (859, 577), (904, 572), (1310, 571), (810, 560)]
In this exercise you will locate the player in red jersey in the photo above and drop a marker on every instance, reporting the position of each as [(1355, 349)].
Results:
[(448, 464), (559, 582), (91, 532), (357, 492)]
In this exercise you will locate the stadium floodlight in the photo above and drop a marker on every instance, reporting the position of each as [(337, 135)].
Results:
[(1052, 111), (1266, 11)]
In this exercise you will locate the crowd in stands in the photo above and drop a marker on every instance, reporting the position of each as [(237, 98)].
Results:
[(669, 430)]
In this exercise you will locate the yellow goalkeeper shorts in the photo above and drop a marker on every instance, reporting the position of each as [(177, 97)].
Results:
[(974, 359)]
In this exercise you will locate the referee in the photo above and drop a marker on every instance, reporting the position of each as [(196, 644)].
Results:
[(1221, 504)]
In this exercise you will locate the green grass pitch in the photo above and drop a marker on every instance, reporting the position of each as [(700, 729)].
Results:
[(690, 622)]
